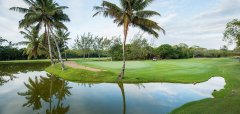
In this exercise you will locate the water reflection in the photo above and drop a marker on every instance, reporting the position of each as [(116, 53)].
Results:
[(48, 89), (54, 91), (7, 70), (32, 91), (121, 86)]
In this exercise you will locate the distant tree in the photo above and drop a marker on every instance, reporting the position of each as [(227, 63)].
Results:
[(116, 48), (197, 51), (130, 13), (138, 47), (89, 43), (232, 32), (98, 45), (182, 51), (80, 44), (106, 45), (165, 51), (84, 43)]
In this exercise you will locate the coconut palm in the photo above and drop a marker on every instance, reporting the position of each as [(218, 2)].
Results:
[(45, 13), (63, 37), (130, 13), (34, 45)]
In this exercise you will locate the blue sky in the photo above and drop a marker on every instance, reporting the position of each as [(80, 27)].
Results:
[(194, 22)]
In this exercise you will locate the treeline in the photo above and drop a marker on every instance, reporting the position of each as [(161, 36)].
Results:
[(8, 52), (89, 45)]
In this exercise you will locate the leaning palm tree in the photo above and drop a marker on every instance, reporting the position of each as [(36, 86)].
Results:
[(63, 37), (46, 13), (34, 42), (131, 13)]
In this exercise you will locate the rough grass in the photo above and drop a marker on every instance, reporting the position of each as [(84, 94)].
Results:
[(226, 101)]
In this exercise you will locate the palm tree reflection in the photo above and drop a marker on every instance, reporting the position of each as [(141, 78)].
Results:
[(8, 71), (121, 86), (51, 90)]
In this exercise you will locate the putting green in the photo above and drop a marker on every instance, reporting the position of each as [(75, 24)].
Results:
[(118, 64)]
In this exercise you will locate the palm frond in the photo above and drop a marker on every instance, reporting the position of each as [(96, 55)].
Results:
[(147, 13), (149, 31), (19, 9), (22, 43), (145, 22), (108, 10), (142, 4), (29, 2)]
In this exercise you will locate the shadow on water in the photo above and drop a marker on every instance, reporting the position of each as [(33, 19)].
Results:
[(7, 70)]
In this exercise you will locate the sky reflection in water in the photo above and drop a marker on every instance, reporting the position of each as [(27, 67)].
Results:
[(44, 93)]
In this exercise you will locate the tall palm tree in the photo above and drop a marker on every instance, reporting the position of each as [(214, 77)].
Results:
[(63, 37), (34, 43), (45, 13), (130, 13)]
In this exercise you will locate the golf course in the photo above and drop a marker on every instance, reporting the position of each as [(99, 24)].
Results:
[(174, 71), (119, 57)]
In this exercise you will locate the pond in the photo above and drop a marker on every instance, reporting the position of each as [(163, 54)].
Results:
[(27, 89)]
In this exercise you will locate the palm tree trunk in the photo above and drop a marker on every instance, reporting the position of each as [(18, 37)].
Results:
[(123, 54), (58, 50), (65, 55), (49, 44), (65, 51)]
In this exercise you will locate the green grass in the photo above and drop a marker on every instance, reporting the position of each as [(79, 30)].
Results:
[(226, 101)]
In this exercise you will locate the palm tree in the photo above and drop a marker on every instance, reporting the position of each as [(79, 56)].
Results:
[(63, 36), (34, 45), (130, 13), (45, 13)]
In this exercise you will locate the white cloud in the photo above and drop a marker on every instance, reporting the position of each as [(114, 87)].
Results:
[(203, 27)]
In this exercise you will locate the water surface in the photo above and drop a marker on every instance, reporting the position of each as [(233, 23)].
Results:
[(27, 89)]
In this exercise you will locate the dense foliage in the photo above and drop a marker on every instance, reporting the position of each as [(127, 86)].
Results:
[(140, 49)]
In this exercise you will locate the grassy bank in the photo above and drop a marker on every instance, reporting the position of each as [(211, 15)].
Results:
[(184, 71)]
